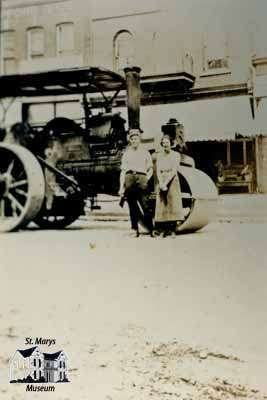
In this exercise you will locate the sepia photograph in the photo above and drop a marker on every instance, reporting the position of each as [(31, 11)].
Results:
[(133, 199)]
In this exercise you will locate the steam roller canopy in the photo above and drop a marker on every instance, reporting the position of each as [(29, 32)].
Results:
[(22, 187), (61, 82), (202, 198)]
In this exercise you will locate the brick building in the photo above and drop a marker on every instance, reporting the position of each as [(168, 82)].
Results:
[(156, 35), (214, 42)]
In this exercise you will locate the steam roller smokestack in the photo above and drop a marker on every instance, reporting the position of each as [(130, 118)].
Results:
[(133, 88)]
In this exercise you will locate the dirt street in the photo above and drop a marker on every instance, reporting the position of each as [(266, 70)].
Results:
[(139, 318)]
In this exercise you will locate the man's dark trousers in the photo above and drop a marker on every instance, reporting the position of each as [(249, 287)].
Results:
[(136, 192)]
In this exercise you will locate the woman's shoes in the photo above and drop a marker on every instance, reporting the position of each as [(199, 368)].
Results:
[(154, 233), (164, 234)]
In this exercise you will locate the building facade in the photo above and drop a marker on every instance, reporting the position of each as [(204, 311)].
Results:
[(217, 43), (159, 36), (55, 367), (27, 364), (31, 365)]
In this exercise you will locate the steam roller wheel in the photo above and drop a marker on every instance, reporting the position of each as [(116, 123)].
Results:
[(199, 197), (199, 200), (22, 187), (65, 210)]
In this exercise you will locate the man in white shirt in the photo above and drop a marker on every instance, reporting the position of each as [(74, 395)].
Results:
[(136, 170)]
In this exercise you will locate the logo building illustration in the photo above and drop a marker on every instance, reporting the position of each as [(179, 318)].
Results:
[(33, 366)]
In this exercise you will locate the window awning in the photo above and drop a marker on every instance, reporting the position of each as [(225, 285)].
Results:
[(218, 119)]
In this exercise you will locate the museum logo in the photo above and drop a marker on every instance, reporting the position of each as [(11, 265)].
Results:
[(37, 369)]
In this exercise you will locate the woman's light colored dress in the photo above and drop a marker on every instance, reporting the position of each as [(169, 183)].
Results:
[(169, 206)]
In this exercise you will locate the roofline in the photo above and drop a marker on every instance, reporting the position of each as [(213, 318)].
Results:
[(136, 14), (32, 3), (34, 347), (59, 351)]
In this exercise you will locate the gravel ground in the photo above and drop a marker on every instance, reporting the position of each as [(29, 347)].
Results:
[(140, 318)]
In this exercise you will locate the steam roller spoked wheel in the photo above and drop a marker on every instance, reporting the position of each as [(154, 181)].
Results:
[(54, 221), (50, 220), (66, 208), (22, 187)]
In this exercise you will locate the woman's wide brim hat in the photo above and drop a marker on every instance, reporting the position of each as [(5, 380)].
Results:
[(173, 121)]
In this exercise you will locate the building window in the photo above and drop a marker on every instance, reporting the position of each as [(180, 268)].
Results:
[(65, 38), (215, 52), (35, 375), (36, 45), (8, 52), (40, 363), (8, 44), (123, 50), (9, 66)]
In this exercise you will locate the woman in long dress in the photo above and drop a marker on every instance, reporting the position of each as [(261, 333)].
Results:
[(169, 209)]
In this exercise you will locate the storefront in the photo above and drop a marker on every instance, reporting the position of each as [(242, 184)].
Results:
[(211, 132), (230, 163)]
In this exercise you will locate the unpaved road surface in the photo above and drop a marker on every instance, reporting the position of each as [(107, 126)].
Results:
[(142, 318)]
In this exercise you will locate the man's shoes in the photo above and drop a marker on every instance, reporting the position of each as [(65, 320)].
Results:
[(173, 235), (135, 233)]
